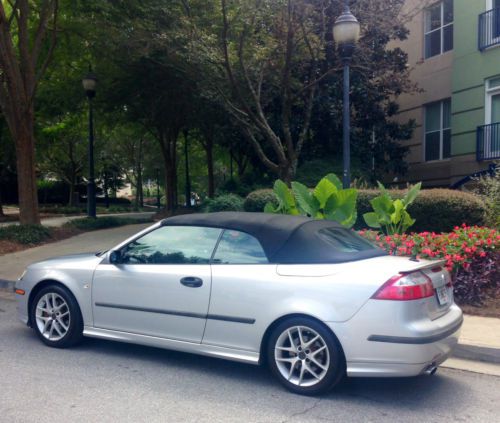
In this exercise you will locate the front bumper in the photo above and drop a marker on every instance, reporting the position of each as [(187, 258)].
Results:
[(398, 347)]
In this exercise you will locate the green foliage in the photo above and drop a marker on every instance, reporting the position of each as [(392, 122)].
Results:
[(225, 202), (389, 214), (440, 210), (435, 210), (489, 191), (326, 201), (257, 200), (91, 224), (25, 234), (57, 209)]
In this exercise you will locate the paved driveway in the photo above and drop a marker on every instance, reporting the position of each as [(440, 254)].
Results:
[(12, 265)]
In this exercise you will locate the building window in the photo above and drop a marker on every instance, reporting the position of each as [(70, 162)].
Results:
[(437, 145), (438, 28), (492, 109)]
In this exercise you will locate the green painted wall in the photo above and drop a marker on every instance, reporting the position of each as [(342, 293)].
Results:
[(470, 69)]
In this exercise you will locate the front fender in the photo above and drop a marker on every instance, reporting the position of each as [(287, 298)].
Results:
[(77, 281)]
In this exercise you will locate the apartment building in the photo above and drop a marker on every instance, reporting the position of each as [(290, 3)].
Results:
[(454, 54)]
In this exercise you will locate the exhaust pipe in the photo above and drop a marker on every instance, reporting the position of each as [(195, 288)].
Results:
[(430, 370)]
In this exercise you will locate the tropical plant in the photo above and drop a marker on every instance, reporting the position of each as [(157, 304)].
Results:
[(391, 215), (326, 201)]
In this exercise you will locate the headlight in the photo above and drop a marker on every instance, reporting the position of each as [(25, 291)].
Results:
[(20, 278)]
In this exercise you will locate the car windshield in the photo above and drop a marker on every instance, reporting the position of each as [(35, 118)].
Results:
[(345, 240)]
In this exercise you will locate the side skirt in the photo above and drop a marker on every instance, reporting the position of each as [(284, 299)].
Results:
[(170, 344)]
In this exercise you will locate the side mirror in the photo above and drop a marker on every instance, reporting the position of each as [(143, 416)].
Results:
[(115, 257)]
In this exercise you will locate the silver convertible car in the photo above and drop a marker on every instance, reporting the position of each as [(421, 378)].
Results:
[(311, 299)]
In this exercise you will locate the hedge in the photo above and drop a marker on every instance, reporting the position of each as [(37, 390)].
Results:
[(224, 202), (104, 222), (25, 234), (256, 200), (435, 210)]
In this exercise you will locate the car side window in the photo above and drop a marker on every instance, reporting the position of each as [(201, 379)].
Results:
[(173, 245), (237, 247)]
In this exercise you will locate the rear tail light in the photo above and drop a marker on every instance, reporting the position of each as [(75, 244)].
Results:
[(405, 287)]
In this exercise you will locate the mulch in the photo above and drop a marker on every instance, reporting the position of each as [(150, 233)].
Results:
[(490, 308)]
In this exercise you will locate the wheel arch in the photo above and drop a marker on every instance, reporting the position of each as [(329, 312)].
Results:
[(279, 320), (41, 285)]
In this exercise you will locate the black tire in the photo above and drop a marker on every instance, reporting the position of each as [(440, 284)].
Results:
[(74, 333), (333, 372)]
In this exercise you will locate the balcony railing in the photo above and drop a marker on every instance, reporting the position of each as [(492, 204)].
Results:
[(489, 28), (488, 142)]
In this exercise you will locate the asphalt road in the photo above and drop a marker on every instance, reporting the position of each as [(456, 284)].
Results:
[(103, 381)]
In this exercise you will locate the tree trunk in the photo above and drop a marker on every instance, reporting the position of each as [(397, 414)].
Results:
[(168, 145), (210, 166), (1, 207), (286, 173), (140, 191), (71, 199), (26, 179)]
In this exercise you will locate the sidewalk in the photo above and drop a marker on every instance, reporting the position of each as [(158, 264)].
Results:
[(13, 264), (61, 220)]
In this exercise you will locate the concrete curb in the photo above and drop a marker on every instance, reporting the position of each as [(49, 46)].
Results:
[(477, 353)]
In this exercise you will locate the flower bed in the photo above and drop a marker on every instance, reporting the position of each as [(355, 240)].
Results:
[(472, 256)]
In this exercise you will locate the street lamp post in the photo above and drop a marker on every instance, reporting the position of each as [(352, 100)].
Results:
[(346, 34), (89, 83)]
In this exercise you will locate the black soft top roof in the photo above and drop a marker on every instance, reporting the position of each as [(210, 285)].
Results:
[(284, 238)]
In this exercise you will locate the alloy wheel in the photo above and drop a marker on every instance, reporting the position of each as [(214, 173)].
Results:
[(302, 356), (53, 317)]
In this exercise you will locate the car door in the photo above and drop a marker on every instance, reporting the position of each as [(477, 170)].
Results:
[(242, 292), (160, 286)]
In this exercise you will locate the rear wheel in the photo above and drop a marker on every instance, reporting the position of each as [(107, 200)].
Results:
[(56, 317), (305, 356)]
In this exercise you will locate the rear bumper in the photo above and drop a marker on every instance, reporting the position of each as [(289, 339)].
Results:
[(396, 348)]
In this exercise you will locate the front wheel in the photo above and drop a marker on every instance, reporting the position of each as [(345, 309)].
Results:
[(56, 317), (305, 356)]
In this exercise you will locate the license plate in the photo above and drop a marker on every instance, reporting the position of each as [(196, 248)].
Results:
[(442, 295)]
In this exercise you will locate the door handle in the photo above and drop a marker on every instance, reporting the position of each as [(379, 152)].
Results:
[(192, 282)]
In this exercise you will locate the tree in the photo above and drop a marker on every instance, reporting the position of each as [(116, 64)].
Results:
[(63, 152), (276, 67), (27, 40)]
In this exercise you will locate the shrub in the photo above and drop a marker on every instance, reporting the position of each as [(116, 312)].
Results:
[(25, 234), (471, 255), (257, 200), (434, 210), (225, 202), (58, 209), (103, 222), (114, 200), (489, 191)]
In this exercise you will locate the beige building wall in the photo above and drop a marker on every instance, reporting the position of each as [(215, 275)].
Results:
[(433, 77)]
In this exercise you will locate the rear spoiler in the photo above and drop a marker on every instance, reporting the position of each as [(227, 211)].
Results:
[(424, 265)]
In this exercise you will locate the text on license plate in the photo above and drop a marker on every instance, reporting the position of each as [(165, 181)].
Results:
[(442, 295)]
